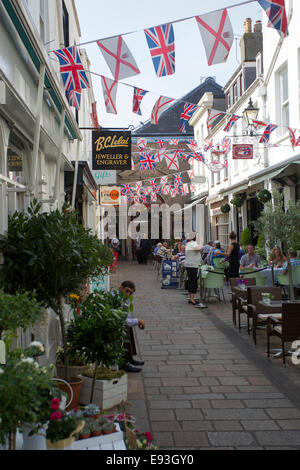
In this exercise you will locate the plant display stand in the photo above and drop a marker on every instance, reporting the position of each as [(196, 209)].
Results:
[(114, 441), (108, 393)]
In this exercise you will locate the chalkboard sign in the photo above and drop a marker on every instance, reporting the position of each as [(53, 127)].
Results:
[(111, 150)]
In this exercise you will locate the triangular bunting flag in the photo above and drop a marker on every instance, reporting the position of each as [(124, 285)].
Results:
[(186, 114), (265, 139), (138, 95), (213, 116)]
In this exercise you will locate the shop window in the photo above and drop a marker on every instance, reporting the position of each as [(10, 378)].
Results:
[(66, 25), (282, 94)]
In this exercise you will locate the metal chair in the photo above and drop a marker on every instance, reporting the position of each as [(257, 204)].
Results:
[(260, 280), (235, 296), (213, 281), (287, 328), (284, 281)]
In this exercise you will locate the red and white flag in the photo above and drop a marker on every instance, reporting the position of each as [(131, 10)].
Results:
[(184, 189), (172, 161), (142, 142), (118, 58), (160, 155), (217, 35), (164, 180), (294, 141), (159, 107), (174, 142), (110, 88), (191, 174), (138, 185), (213, 116), (165, 189), (153, 197)]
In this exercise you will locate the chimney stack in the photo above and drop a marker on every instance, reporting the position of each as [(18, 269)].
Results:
[(257, 27), (248, 26)]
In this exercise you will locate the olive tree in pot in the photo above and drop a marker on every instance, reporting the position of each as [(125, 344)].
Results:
[(99, 331), (280, 225), (52, 255)]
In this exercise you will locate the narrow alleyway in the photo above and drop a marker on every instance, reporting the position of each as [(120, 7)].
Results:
[(203, 384)]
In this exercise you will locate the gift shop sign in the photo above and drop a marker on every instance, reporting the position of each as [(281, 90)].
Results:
[(242, 152), (111, 150)]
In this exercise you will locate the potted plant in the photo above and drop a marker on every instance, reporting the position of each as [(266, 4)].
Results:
[(99, 332), (225, 208), (77, 361), (140, 441), (17, 311), (121, 419), (280, 225), (86, 431), (264, 196), (239, 199), (91, 411), (96, 428), (109, 428), (62, 429), (267, 297), (243, 283), (25, 392), (50, 254)]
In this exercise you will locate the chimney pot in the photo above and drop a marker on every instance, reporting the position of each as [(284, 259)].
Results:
[(257, 27), (248, 26)]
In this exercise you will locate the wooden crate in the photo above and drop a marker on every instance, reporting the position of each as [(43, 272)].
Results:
[(114, 441), (108, 393)]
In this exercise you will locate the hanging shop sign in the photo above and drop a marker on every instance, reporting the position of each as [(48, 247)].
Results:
[(111, 150), (110, 195), (105, 177), (14, 163), (242, 151)]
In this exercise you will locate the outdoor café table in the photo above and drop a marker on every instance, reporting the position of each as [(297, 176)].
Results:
[(267, 273)]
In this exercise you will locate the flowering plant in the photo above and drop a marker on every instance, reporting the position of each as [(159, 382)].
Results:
[(25, 392), (62, 424), (144, 441), (243, 283)]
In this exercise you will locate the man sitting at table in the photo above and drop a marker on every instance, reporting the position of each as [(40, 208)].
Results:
[(293, 260), (250, 260)]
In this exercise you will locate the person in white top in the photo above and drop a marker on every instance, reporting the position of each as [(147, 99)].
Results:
[(193, 260)]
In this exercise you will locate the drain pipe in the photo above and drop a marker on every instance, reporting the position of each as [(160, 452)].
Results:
[(59, 152), (75, 175), (37, 129), (269, 74)]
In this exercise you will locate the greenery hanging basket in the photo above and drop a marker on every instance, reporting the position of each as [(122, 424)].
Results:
[(225, 208), (264, 196), (239, 199)]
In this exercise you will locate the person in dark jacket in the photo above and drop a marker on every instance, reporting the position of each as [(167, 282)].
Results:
[(144, 249)]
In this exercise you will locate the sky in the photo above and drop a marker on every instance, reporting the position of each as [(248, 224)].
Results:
[(101, 19)]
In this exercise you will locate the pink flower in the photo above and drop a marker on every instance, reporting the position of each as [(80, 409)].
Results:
[(148, 436), (55, 401), (55, 406), (56, 416)]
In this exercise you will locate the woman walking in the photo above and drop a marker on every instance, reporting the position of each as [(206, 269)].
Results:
[(193, 260)]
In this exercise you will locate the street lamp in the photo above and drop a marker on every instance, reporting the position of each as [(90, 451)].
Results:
[(250, 114)]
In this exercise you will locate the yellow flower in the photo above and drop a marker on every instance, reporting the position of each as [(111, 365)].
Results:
[(74, 296)]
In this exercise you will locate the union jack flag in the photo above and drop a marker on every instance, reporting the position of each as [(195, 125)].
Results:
[(72, 72), (192, 143), (184, 189), (74, 98), (155, 189), (152, 181), (142, 142), (212, 117), (147, 162), (178, 179), (197, 156), (232, 121), (187, 113), (126, 189), (275, 9), (161, 43), (259, 124), (138, 95), (226, 144), (265, 139), (209, 145)]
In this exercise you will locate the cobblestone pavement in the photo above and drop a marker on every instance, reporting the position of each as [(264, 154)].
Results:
[(204, 385)]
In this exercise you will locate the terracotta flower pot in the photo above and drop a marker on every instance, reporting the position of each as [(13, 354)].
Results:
[(76, 384), (84, 436)]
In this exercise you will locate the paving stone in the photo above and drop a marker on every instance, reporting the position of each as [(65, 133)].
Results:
[(227, 404), (164, 439), (161, 415), (230, 438), (158, 404), (166, 426), (268, 403), (208, 381), (278, 438), (152, 382), (196, 425), (234, 414), (227, 425), (177, 382), (201, 403), (171, 390), (224, 389), (262, 425), (188, 415), (259, 381), (197, 439), (283, 413), (152, 391), (208, 367), (174, 367), (289, 424)]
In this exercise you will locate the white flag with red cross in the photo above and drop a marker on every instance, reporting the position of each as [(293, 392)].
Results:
[(159, 107), (118, 58), (217, 35), (110, 88)]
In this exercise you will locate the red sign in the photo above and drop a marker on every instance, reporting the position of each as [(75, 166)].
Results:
[(242, 151)]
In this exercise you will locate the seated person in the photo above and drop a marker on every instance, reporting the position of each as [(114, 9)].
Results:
[(164, 251), (218, 252), (277, 257), (205, 250), (293, 260), (181, 256), (250, 260)]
